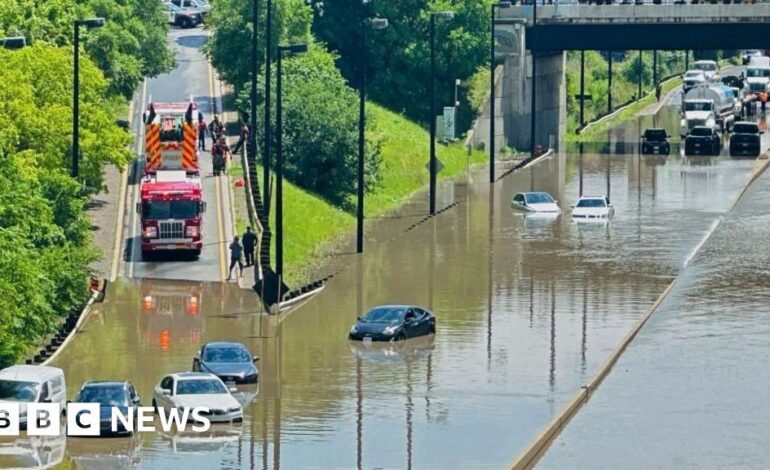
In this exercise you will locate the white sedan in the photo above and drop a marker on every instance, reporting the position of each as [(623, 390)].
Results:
[(592, 207), (198, 389), (539, 202)]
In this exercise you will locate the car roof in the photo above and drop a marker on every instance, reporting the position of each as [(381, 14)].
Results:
[(746, 123), (534, 192), (105, 384), (592, 197), (397, 306), (224, 344), (701, 128), (29, 373), (655, 129), (699, 72), (192, 375)]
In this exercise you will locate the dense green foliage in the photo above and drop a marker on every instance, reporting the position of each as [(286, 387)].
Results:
[(130, 46), (399, 57), (320, 109)]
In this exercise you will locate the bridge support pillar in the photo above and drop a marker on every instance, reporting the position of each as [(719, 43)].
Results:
[(551, 100)]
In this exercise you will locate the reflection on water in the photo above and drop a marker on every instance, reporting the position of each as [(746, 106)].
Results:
[(527, 309)]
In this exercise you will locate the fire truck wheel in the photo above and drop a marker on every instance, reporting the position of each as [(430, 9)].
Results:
[(147, 255)]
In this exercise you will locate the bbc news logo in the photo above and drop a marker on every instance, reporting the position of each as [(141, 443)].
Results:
[(84, 419)]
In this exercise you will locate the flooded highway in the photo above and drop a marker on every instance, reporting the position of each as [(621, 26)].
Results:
[(690, 391), (527, 308)]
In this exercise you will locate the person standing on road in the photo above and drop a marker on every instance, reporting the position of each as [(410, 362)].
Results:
[(216, 129), (236, 251), (658, 91), (201, 133), (244, 134), (249, 242)]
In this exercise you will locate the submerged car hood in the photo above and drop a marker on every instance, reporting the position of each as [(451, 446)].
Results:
[(229, 368), (215, 401), (373, 327), (545, 207), (591, 211)]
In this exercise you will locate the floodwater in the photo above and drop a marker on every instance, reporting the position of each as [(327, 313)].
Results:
[(528, 308), (691, 390)]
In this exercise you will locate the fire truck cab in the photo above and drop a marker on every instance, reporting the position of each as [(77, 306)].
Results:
[(171, 211)]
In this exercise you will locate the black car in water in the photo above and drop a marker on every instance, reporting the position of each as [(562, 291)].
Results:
[(110, 395), (702, 140), (745, 140), (655, 142), (232, 362), (393, 323)]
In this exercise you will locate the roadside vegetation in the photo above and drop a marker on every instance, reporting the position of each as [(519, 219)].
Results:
[(45, 234)]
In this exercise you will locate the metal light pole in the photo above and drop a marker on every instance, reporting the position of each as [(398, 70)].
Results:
[(582, 87), (641, 75), (15, 42), (492, 88), (432, 164), (374, 23), (609, 83), (289, 49), (253, 115), (89, 23), (268, 60), (533, 110)]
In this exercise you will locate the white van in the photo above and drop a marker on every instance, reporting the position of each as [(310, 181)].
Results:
[(32, 384)]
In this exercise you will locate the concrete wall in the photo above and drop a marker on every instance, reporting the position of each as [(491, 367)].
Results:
[(551, 99), (479, 135)]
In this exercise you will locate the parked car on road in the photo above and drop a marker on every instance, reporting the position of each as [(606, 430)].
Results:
[(24, 384), (692, 79), (749, 53), (709, 67), (592, 207), (703, 140), (183, 17), (655, 141), (231, 362), (535, 202), (745, 139), (198, 389), (202, 7), (110, 395), (393, 323)]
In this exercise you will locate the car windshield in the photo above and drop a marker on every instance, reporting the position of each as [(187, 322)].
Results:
[(153, 210), (741, 128), (229, 354), (596, 202), (700, 131), (697, 106), (706, 66), (384, 315), (199, 387), (757, 73), (539, 198), (693, 75), (12, 390), (107, 396), (655, 134)]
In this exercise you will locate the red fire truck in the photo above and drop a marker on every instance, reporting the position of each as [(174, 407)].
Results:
[(171, 211), (171, 137)]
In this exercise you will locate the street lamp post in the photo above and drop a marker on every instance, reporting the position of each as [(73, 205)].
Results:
[(443, 15), (253, 115), (288, 49), (89, 23), (494, 7), (268, 60), (533, 104), (374, 23), (15, 42)]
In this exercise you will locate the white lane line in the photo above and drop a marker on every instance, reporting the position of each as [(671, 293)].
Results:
[(135, 247)]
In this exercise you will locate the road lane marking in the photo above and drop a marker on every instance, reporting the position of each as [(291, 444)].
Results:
[(136, 190), (217, 186)]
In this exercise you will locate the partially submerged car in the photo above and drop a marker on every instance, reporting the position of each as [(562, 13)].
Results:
[(655, 142), (745, 140), (393, 323), (232, 362), (592, 207), (198, 389), (535, 202), (703, 140)]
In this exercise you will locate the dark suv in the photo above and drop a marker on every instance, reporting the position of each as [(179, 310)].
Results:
[(745, 140), (702, 140), (655, 141)]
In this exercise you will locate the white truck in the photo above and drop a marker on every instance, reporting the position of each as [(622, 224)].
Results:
[(713, 106), (709, 67)]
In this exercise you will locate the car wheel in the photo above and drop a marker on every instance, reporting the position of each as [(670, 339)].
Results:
[(186, 23)]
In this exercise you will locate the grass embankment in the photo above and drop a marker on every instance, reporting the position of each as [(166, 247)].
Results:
[(312, 226)]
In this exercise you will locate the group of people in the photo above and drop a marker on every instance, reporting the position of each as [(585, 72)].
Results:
[(240, 248), (220, 151)]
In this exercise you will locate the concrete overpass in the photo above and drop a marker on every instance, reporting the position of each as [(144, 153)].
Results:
[(553, 29)]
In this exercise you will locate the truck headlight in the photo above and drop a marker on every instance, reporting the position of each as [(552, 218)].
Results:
[(150, 232), (192, 231)]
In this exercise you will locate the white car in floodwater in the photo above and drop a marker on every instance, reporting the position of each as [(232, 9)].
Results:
[(535, 202), (592, 208), (198, 389)]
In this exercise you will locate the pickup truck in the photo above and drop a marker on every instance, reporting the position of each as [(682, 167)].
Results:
[(703, 140), (745, 140)]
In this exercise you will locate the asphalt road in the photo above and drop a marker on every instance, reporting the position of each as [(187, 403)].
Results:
[(193, 77)]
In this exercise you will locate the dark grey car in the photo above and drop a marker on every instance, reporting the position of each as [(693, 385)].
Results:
[(230, 361)]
